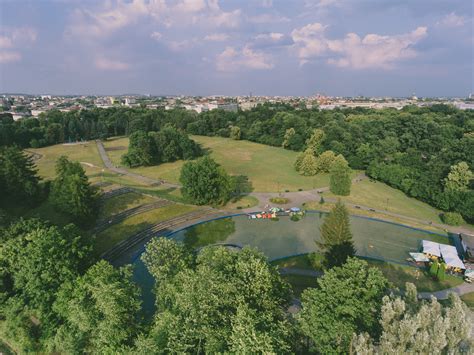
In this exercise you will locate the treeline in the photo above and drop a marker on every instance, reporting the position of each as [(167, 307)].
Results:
[(413, 149), (212, 301)]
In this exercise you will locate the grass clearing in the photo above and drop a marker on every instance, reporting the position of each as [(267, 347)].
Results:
[(82, 152), (468, 298), (327, 206), (115, 234), (268, 168), (243, 202), (122, 203), (398, 275), (380, 196)]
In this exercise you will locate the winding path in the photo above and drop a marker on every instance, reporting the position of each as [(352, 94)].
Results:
[(460, 290), (108, 164)]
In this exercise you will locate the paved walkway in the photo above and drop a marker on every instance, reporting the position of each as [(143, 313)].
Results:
[(108, 164), (460, 290)]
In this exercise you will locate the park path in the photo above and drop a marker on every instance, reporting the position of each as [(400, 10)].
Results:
[(110, 166), (460, 290), (297, 198)]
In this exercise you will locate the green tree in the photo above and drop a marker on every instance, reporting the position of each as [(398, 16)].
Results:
[(224, 301), (289, 134), (336, 235), (205, 182), (140, 150), (35, 260), (306, 163), (348, 299), (340, 179), (315, 141), (235, 133), (100, 311), (325, 161), (72, 194), (459, 177), (411, 326), (19, 182)]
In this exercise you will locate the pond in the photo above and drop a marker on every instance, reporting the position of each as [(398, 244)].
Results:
[(282, 238)]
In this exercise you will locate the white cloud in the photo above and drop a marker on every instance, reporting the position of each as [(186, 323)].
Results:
[(9, 57), (14, 39), (267, 3), (113, 16), (233, 60), (109, 64), (452, 20), (322, 3), (267, 18), (216, 37), (272, 36), (371, 51), (156, 35)]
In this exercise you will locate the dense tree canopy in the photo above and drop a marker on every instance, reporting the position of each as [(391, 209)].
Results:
[(411, 326), (223, 301), (35, 260), (412, 149), (347, 300), (19, 182), (72, 194), (205, 182), (166, 145)]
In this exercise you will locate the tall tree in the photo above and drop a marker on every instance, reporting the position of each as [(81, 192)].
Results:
[(205, 182), (72, 194), (348, 299), (315, 141), (19, 182), (235, 133), (100, 311), (459, 177), (140, 150), (412, 326), (340, 179), (224, 301), (336, 235)]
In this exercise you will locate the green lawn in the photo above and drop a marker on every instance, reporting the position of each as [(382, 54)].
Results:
[(115, 234), (469, 299), (380, 196), (269, 169), (122, 203), (84, 152), (243, 202), (398, 275)]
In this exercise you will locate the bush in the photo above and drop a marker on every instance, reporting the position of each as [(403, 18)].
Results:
[(275, 219), (295, 218), (452, 218), (279, 200)]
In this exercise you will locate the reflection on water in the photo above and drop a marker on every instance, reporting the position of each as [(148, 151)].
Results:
[(209, 233), (277, 239)]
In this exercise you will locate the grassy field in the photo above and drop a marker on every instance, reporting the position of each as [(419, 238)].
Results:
[(123, 202), (269, 169), (83, 152), (398, 275), (469, 299), (244, 202), (380, 196), (134, 224), (315, 205)]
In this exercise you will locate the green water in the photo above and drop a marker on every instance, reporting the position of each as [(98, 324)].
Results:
[(278, 239)]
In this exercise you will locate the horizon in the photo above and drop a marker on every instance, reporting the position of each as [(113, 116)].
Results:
[(266, 47)]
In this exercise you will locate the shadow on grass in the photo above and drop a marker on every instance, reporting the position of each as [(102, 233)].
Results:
[(117, 204)]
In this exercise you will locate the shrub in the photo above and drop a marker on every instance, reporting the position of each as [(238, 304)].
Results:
[(279, 200), (295, 217), (452, 218)]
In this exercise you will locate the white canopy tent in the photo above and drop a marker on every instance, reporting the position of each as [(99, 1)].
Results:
[(450, 256), (431, 248)]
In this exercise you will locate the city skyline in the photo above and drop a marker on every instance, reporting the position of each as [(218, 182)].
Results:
[(298, 48)]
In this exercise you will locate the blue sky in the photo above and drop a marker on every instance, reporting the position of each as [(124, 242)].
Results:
[(267, 47)]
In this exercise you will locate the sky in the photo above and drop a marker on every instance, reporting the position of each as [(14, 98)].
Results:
[(237, 47)]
